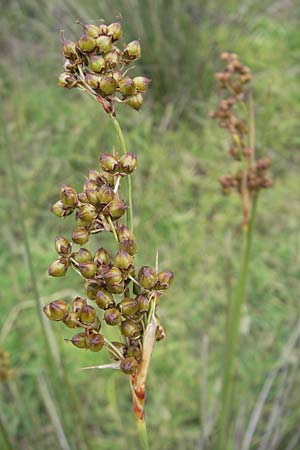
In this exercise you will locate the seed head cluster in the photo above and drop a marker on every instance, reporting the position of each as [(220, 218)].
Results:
[(115, 291), (96, 64)]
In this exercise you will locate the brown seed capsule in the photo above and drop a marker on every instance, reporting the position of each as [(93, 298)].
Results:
[(71, 320), (62, 245), (59, 267), (132, 51), (80, 235), (92, 196), (104, 43), (87, 212), (129, 246), (127, 86), (106, 194), (129, 365), (95, 342), (91, 30), (128, 162), (91, 290), (87, 43), (121, 347), (135, 101), (104, 299), (143, 303), (96, 64), (117, 74), (113, 275), (135, 352), (108, 163), (79, 340), (87, 269), (124, 233), (108, 85), (165, 279), (78, 303), (160, 333), (69, 49), (103, 29), (82, 197), (122, 259), (112, 316), (115, 31), (67, 80), (102, 257), (131, 329), (113, 58), (87, 314), (60, 210), (68, 195), (83, 255), (141, 83), (147, 277), (116, 208), (116, 288), (128, 306), (56, 310)]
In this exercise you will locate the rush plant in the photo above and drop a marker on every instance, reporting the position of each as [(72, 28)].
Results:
[(116, 291), (235, 114)]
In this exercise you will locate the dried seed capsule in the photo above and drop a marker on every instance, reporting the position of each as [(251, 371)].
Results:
[(112, 316), (135, 352), (165, 279), (79, 340), (71, 320), (102, 257), (117, 74), (135, 101), (78, 303), (127, 86), (62, 245), (129, 365), (128, 162), (141, 83), (113, 58), (80, 235), (104, 44), (125, 233), (59, 267), (67, 80), (95, 342), (96, 64), (91, 30), (131, 329), (104, 299), (87, 212), (93, 196), (132, 51), (129, 246), (143, 303), (56, 310), (115, 31), (87, 43), (69, 49), (147, 277), (68, 195), (83, 255), (96, 325), (60, 210), (116, 208), (121, 347), (160, 333), (116, 288), (108, 162), (113, 275), (108, 85), (122, 259), (87, 314), (106, 194), (103, 29), (128, 306), (82, 197), (91, 290), (87, 269)]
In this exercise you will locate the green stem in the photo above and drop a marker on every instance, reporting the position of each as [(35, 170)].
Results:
[(142, 432), (129, 187), (234, 320), (4, 435)]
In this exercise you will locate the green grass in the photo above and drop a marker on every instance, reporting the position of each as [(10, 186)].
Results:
[(54, 136)]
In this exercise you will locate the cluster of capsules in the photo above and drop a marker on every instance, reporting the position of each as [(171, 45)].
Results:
[(97, 65), (233, 81), (6, 372), (126, 296)]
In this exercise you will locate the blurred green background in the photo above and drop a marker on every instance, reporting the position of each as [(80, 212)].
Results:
[(54, 136)]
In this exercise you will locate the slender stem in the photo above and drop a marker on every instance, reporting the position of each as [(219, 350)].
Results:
[(231, 345), (129, 187), (142, 432), (4, 435), (113, 229)]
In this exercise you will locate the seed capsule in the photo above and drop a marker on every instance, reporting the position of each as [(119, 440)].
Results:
[(68, 195), (108, 85), (108, 162), (66, 80), (91, 30), (117, 208), (71, 320), (95, 342), (97, 64), (87, 314), (104, 44), (129, 246), (87, 212), (128, 162), (112, 316), (102, 257), (78, 303), (141, 83), (117, 74), (69, 49), (80, 235), (56, 310), (104, 299), (87, 269), (122, 259), (131, 329), (92, 290), (116, 288), (60, 210), (79, 340), (135, 101), (143, 303), (160, 333), (106, 194), (58, 268), (96, 325), (165, 279), (127, 86), (113, 275), (135, 352), (82, 197), (147, 277), (87, 43), (92, 195), (121, 347), (115, 31), (62, 245), (129, 365), (125, 233), (132, 51), (83, 255), (128, 306), (113, 58)]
